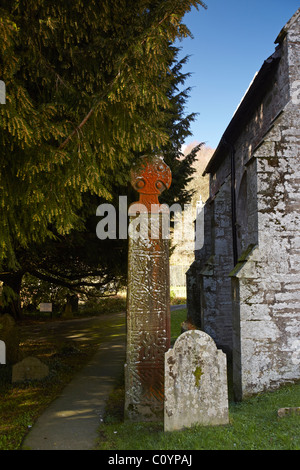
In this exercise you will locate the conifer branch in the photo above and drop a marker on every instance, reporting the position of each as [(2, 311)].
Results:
[(91, 111), (77, 129)]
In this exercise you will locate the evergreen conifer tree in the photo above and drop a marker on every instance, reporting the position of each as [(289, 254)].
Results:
[(88, 90)]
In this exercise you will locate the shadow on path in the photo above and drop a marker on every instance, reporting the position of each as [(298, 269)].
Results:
[(71, 421)]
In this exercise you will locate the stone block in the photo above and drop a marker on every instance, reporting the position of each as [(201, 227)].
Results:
[(195, 383), (288, 411), (2, 352), (30, 368)]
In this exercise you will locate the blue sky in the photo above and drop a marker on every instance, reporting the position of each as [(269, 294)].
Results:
[(232, 38)]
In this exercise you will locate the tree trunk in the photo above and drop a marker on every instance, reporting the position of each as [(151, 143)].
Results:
[(11, 302)]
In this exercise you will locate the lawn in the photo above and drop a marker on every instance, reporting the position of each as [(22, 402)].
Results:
[(254, 425)]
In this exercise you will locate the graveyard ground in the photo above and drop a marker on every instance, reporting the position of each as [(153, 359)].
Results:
[(253, 424), (65, 346)]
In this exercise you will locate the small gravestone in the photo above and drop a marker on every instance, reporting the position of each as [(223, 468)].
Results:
[(31, 368), (294, 410), (2, 352), (195, 383)]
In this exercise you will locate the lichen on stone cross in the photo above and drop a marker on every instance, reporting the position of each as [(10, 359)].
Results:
[(150, 178)]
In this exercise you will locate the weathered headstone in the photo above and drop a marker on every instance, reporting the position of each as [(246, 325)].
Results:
[(2, 352), (195, 383), (148, 297), (30, 368)]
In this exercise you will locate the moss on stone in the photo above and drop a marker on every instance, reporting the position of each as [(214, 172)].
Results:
[(197, 373)]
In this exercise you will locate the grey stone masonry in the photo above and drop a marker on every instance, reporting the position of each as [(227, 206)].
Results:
[(250, 282)]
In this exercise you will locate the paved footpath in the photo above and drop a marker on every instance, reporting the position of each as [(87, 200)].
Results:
[(71, 421)]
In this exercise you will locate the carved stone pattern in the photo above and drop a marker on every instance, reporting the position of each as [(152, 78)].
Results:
[(148, 308), (150, 179)]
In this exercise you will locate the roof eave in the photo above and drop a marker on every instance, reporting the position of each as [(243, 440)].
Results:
[(246, 108)]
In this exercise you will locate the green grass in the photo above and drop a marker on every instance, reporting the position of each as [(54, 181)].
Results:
[(104, 305), (96, 307), (22, 404), (177, 317), (253, 425)]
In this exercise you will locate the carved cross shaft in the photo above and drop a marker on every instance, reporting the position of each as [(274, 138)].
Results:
[(148, 298)]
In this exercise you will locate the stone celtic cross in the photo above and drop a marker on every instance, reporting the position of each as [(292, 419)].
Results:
[(150, 179), (148, 299)]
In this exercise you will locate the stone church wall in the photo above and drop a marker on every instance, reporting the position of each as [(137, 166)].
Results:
[(251, 307), (266, 296)]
